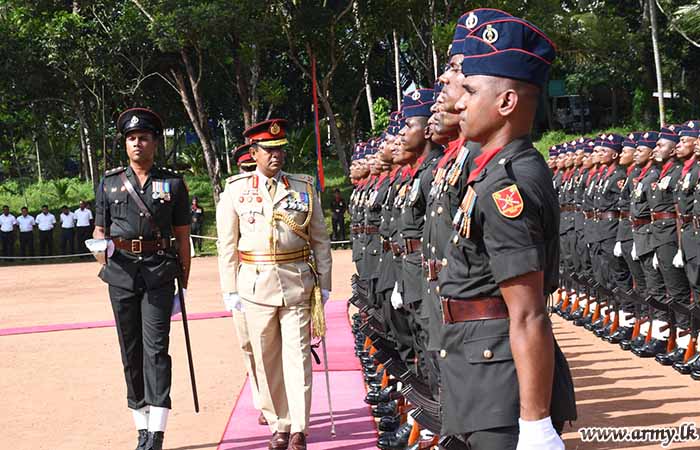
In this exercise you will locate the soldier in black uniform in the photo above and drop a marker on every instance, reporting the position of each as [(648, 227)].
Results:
[(506, 383), (662, 204), (416, 110), (357, 208), (144, 210), (644, 244), (197, 213)]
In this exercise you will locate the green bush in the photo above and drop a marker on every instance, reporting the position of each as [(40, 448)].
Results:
[(54, 193)]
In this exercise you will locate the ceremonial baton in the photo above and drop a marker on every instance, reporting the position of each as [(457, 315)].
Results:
[(187, 344), (328, 385)]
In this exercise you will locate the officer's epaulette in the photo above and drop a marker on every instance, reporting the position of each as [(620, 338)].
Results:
[(240, 176), (115, 171), (301, 177), (168, 172)]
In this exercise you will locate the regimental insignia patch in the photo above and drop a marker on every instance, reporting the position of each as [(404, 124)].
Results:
[(509, 201)]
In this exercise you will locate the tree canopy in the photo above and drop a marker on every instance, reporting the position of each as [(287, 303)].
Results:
[(213, 68)]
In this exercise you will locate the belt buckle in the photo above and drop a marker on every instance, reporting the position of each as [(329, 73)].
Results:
[(136, 246)]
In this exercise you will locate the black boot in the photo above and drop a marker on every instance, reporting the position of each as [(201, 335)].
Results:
[(672, 357), (687, 367), (622, 334), (398, 440), (143, 439), (155, 440)]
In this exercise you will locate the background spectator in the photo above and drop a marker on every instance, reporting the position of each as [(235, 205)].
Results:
[(67, 219), (45, 221), (26, 233), (196, 224), (7, 231), (338, 208), (83, 226)]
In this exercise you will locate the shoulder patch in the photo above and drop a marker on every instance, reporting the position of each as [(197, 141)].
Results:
[(509, 202), (114, 171), (240, 176)]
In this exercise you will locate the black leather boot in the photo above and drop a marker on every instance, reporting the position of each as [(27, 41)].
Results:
[(155, 440), (143, 439), (687, 368), (672, 357)]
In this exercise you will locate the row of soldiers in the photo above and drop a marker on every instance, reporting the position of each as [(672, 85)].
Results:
[(629, 240), (455, 238)]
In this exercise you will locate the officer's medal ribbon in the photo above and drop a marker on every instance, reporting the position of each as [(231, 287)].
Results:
[(467, 208), (166, 191), (156, 189)]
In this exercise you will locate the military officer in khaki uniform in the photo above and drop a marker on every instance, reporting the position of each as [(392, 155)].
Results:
[(270, 223)]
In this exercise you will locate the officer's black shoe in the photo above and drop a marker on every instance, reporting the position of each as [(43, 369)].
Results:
[(389, 423), (155, 440), (366, 360), (695, 375), (650, 350), (670, 358), (384, 409), (143, 439), (622, 333), (381, 396), (603, 331), (629, 344), (687, 368), (582, 321), (595, 325), (577, 314), (397, 440)]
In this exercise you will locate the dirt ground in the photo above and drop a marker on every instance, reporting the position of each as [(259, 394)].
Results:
[(65, 391)]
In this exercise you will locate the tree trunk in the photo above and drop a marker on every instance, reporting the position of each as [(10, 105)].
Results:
[(397, 71), (657, 60), (198, 117), (224, 124), (38, 157), (335, 131), (368, 92)]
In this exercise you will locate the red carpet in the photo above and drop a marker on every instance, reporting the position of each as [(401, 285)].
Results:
[(355, 428)]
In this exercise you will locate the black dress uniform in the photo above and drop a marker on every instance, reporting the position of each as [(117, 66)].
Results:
[(624, 230), (582, 262), (141, 281), (490, 248), (374, 221), (371, 246)]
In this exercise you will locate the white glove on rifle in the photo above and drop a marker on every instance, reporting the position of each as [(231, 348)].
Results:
[(177, 306), (538, 435), (678, 259), (655, 262), (396, 300), (633, 253), (325, 295), (617, 251), (233, 301)]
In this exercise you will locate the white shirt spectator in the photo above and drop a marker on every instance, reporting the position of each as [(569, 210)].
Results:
[(45, 221), (7, 222), (67, 220), (26, 223), (83, 217)]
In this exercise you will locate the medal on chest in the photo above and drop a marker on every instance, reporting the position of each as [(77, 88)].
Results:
[(160, 189), (462, 221), (665, 181), (686, 182), (458, 166), (415, 189)]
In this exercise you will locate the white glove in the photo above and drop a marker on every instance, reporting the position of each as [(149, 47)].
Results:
[(633, 253), (678, 259), (538, 435), (177, 306), (617, 251), (233, 301), (396, 300), (655, 262), (325, 295)]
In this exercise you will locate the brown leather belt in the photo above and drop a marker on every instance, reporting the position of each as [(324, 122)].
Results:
[(371, 229), (433, 267), (567, 208), (357, 229), (396, 249), (685, 218), (624, 215), (589, 214), (483, 308), (412, 245), (662, 216), (640, 221), (262, 258), (139, 246), (608, 215), (386, 245)]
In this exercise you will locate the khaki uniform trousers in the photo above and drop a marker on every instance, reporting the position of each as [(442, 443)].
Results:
[(281, 340), (241, 327)]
